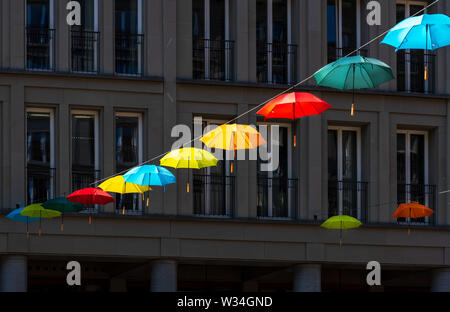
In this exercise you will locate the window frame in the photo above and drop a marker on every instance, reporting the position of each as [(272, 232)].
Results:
[(339, 130), (96, 133)]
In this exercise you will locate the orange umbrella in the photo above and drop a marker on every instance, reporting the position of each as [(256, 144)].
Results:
[(412, 210)]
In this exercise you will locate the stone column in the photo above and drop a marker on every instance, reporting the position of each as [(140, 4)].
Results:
[(163, 276), (307, 278), (440, 281), (13, 274)]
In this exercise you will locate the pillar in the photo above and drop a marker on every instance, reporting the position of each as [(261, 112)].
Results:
[(307, 278), (13, 274), (440, 281), (163, 276)]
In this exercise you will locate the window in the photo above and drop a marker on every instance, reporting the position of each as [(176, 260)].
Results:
[(347, 195), (128, 37), (85, 39), (212, 47), (412, 169), (411, 63), (343, 27), (276, 54), (40, 155), (40, 35), (128, 155), (214, 193), (276, 194), (85, 149)]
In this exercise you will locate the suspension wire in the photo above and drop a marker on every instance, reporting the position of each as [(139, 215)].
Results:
[(261, 104)]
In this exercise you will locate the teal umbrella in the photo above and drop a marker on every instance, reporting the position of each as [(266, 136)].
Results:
[(354, 72), (62, 204)]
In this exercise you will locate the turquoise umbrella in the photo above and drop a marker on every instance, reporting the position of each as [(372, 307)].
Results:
[(354, 72), (17, 216), (149, 175)]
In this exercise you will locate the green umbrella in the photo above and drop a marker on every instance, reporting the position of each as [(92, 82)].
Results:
[(341, 222), (354, 72), (62, 204), (38, 211)]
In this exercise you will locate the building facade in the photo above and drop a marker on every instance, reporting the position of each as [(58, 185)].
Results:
[(80, 103)]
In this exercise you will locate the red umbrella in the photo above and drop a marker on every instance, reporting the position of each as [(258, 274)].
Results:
[(292, 106), (90, 196)]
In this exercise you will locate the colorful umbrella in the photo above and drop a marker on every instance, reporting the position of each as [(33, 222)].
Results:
[(292, 106), (191, 157), (17, 216), (149, 175), (354, 72), (424, 32), (341, 222), (38, 211), (412, 210), (90, 196), (62, 204), (118, 185)]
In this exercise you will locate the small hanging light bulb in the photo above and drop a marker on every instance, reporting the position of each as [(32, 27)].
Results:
[(148, 202), (123, 210), (295, 140), (231, 167), (187, 187), (352, 111), (426, 73), (143, 198)]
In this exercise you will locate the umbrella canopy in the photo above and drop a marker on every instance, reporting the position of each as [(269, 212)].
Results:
[(354, 72), (117, 184), (149, 175), (191, 157), (90, 196), (233, 137), (412, 210), (62, 204), (425, 32), (293, 105), (38, 211), (17, 216), (341, 222)]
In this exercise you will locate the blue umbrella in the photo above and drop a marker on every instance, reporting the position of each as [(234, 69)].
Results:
[(149, 175), (425, 32), (16, 216)]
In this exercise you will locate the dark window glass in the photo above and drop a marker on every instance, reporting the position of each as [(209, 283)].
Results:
[(349, 165), (126, 16), (38, 138), (348, 26), (332, 155), (217, 19), (83, 141), (331, 29), (38, 13), (401, 158), (417, 159), (198, 19)]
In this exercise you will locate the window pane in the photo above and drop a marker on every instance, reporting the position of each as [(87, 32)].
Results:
[(83, 141), (401, 158), (348, 26), (349, 165), (217, 19), (279, 20), (38, 138), (38, 13), (332, 155), (126, 142), (331, 29), (198, 19), (417, 159), (126, 16)]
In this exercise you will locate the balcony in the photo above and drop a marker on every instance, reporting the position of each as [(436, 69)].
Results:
[(424, 194), (348, 198), (83, 178), (85, 56), (40, 184), (129, 54), (411, 71), (276, 197), (276, 62), (214, 195), (40, 48), (213, 59)]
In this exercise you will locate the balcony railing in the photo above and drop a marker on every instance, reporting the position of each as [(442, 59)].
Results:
[(214, 195), (276, 62), (348, 198), (424, 194), (213, 59), (82, 179), (85, 54), (40, 184), (411, 71), (277, 197), (40, 48), (129, 53), (336, 53)]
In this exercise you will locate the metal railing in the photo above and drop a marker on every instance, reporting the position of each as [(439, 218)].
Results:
[(129, 53), (85, 53), (276, 62), (82, 179), (348, 198), (336, 53), (411, 71), (214, 195), (40, 184), (213, 59), (424, 194), (276, 197), (40, 48)]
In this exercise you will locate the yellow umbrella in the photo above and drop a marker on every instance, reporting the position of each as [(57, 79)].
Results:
[(37, 211), (118, 185), (190, 157), (232, 137)]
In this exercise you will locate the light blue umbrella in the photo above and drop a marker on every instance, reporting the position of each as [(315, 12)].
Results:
[(425, 32), (150, 175), (16, 216)]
